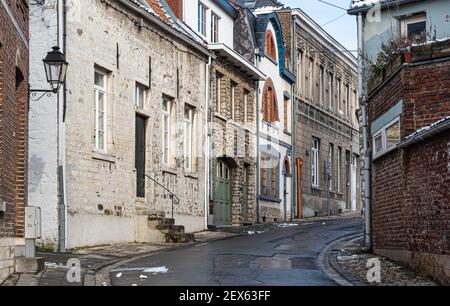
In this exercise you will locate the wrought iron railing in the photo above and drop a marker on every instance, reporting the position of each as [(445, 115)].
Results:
[(175, 199)]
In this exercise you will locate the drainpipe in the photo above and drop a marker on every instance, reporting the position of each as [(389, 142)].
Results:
[(367, 153), (207, 139), (257, 145), (61, 138), (293, 122)]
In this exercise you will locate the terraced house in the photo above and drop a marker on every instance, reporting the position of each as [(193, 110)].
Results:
[(226, 29), (122, 147)]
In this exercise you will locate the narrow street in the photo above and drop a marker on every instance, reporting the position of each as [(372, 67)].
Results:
[(284, 256)]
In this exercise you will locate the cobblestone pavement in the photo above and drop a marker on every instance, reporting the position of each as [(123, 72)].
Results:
[(351, 264)]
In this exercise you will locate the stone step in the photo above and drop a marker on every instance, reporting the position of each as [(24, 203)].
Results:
[(179, 237), (167, 228)]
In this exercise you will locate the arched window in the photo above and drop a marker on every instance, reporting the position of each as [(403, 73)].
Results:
[(271, 50), (269, 102)]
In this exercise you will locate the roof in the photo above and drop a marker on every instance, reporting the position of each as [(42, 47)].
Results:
[(362, 6), (256, 4)]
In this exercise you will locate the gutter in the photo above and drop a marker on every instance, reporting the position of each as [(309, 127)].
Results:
[(384, 5), (165, 27), (443, 126)]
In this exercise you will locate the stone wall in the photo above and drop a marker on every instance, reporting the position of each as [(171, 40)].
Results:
[(101, 186), (232, 140)]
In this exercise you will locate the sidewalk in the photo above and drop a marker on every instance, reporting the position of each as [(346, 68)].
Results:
[(349, 261)]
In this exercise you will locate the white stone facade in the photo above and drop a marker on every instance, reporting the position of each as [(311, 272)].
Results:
[(100, 187)]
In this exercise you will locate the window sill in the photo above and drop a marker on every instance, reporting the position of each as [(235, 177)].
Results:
[(142, 112), (269, 198), (220, 116), (166, 169), (316, 188), (383, 153), (192, 175), (103, 157), (287, 132)]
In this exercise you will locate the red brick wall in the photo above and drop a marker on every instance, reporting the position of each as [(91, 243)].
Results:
[(177, 7), (410, 187), (13, 117)]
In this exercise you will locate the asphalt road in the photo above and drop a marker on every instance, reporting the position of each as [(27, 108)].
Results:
[(284, 256)]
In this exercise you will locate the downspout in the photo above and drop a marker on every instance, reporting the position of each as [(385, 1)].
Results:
[(257, 146), (367, 153), (293, 122), (62, 141), (207, 139)]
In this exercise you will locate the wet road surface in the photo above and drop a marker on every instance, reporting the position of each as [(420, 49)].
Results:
[(284, 256)]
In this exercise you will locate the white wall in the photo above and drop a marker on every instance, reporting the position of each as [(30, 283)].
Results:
[(43, 124), (226, 23)]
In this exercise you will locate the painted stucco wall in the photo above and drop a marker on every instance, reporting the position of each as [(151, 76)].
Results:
[(378, 32), (43, 125), (226, 23)]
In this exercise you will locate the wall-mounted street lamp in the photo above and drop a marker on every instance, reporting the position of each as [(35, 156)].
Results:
[(55, 71)]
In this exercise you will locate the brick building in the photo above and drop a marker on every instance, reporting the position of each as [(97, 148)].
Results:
[(13, 129), (409, 124)]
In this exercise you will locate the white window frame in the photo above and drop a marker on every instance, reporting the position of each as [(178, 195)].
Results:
[(141, 90), (330, 165), (310, 79), (330, 91), (382, 133), (407, 21), (347, 104), (233, 99), (339, 166), (166, 116), (246, 93), (315, 147), (202, 13), (338, 93), (218, 89), (104, 90), (188, 137), (215, 21), (299, 71), (321, 84)]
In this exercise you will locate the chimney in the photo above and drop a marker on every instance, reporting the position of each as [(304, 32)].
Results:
[(177, 7)]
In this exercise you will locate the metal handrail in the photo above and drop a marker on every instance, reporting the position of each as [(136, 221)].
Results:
[(175, 199)]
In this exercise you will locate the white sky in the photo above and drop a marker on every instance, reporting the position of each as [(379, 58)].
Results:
[(343, 29)]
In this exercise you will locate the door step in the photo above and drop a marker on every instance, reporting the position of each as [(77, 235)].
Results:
[(173, 233)]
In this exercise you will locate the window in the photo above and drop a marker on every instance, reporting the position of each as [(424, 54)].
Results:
[(330, 91), (218, 89), (330, 166), (347, 102), (321, 76), (415, 29), (338, 93), (223, 171), (270, 46), (286, 114), (232, 99), (315, 162), (310, 78), (140, 96), (140, 147), (202, 18), (269, 175), (387, 138), (299, 70), (245, 107), (188, 116), (269, 103), (339, 166), (214, 28), (166, 123), (100, 89)]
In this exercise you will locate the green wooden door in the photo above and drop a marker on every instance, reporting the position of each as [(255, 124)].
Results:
[(222, 195)]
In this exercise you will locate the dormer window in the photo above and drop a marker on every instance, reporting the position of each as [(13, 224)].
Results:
[(270, 46)]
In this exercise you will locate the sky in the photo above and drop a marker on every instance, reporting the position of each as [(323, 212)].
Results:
[(342, 29)]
